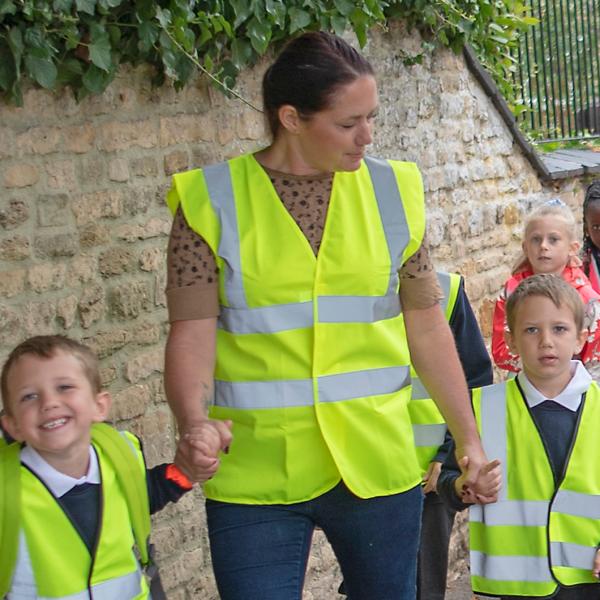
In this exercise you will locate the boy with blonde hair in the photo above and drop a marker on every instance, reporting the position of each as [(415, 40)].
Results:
[(75, 495), (540, 539)]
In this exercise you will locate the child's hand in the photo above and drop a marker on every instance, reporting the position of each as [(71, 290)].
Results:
[(431, 477), (596, 567), (199, 447), (489, 480)]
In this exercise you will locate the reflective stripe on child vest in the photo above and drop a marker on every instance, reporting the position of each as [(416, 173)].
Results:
[(308, 404), (114, 571), (509, 539), (429, 427)]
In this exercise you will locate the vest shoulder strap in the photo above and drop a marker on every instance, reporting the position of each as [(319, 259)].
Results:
[(10, 510), (131, 479)]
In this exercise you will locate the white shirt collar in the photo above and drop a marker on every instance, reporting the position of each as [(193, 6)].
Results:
[(58, 483), (570, 397)]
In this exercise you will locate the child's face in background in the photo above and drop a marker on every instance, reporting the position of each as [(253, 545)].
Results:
[(548, 245), (53, 407), (592, 222), (546, 337)]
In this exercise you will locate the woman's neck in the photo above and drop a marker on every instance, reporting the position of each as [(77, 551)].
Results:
[(283, 156)]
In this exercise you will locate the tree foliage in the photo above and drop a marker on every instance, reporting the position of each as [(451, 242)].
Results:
[(81, 43)]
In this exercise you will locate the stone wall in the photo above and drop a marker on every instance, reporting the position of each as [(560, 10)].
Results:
[(83, 229)]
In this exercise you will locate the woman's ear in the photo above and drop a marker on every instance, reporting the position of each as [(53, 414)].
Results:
[(289, 118)]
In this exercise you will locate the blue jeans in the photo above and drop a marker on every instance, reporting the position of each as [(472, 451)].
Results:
[(259, 552)]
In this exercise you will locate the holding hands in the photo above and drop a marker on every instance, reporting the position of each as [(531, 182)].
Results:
[(199, 446), (484, 489)]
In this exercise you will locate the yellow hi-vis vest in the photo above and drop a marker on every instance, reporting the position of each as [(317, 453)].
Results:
[(72, 573), (312, 362), (429, 427), (535, 536)]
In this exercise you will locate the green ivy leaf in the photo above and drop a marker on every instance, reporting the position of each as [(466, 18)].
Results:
[(41, 69), (96, 80), (345, 7), (260, 35), (100, 48), (86, 6), (62, 5), (299, 19), (7, 7), (148, 34), (242, 10), (241, 53), (277, 11)]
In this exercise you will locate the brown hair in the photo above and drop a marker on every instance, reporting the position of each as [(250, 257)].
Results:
[(46, 346), (549, 286), (552, 208), (308, 72)]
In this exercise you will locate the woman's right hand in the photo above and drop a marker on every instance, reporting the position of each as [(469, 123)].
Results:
[(198, 448)]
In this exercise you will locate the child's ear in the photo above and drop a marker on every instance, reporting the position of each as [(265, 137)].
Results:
[(9, 425), (510, 342), (581, 339), (103, 404), (574, 248)]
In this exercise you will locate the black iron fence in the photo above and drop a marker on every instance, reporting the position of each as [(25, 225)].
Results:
[(559, 70)]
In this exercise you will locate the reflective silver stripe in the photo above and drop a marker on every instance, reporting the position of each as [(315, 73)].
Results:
[(391, 209), (572, 555), (444, 279), (510, 568), (250, 395), (493, 427), (525, 513), (419, 391), (579, 505), (125, 587), (220, 191), (267, 319), (358, 309), (360, 384), (429, 435)]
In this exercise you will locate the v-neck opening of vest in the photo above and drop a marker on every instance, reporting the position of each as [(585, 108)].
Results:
[(291, 219)]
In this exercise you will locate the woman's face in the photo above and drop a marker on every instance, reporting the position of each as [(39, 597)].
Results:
[(335, 138)]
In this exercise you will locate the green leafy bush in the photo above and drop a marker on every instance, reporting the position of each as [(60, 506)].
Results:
[(81, 43)]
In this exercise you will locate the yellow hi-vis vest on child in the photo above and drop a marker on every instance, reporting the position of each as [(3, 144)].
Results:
[(535, 535), (312, 365), (429, 427), (60, 561)]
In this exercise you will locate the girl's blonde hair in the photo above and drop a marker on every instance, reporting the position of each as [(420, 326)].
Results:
[(552, 208)]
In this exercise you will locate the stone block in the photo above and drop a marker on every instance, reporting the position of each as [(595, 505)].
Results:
[(16, 247), (106, 204), (93, 235), (80, 138), (146, 333), (152, 259), (119, 135), (56, 245), (91, 171), (154, 227), (116, 261), (486, 313), (39, 140), (47, 276), (143, 365), (15, 213), (145, 166), (107, 342), (12, 282), (180, 129), (39, 317), (130, 402), (82, 269), (130, 300), (92, 305), (11, 325), (176, 161), (66, 311), (53, 210), (138, 200), (60, 175), (118, 170), (21, 175)]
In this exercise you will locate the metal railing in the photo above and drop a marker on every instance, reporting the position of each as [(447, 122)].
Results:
[(559, 70)]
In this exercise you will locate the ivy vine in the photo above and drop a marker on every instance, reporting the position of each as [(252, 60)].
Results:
[(81, 43)]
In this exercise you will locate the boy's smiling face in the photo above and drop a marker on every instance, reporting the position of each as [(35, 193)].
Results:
[(546, 337), (52, 408)]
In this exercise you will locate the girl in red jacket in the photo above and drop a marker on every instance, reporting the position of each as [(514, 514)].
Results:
[(549, 245)]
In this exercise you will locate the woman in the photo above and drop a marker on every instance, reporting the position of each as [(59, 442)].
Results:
[(283, 298)]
